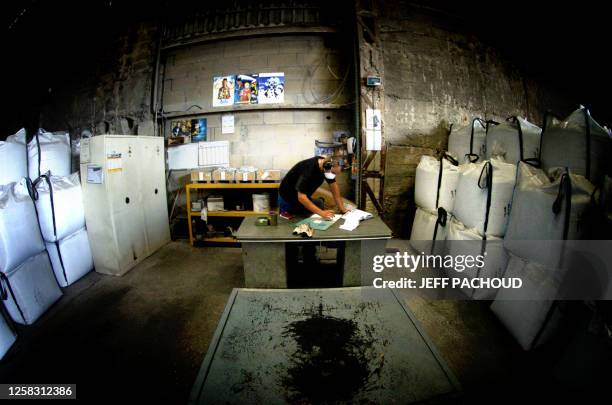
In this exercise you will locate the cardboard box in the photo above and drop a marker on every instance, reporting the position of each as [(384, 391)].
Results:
[(245, 175), (215, 203), (224, 174), (201, 175), (269, 174)]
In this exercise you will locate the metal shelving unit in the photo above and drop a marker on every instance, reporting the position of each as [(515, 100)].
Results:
[(228, 214)]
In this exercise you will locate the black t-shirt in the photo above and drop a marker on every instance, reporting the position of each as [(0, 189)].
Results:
[(305, 177)]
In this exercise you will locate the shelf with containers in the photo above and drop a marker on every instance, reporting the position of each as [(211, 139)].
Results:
[(237, 193)]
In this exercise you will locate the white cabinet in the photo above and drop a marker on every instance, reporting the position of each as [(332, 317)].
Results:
[(124, 193)]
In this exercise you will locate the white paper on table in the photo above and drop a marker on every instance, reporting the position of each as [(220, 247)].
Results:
[(353, 218), (227, 124), (318, 217)]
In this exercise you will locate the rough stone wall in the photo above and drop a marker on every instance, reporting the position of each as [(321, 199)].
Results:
[(111, 91), (438, 73)]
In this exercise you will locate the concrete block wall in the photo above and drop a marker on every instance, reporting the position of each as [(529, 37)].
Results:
[(314, 68)]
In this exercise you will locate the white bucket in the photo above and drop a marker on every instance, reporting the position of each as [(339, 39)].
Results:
[(261, 202)]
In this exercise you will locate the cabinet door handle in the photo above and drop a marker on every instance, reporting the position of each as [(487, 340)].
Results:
[(127, 200), (155, 191)]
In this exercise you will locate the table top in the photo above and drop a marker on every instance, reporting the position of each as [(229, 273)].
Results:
[(347, 345), (373, 228)]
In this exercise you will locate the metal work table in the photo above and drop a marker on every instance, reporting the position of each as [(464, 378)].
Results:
[(264, 250), (345, 345)]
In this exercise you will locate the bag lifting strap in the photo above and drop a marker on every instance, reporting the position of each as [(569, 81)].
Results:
[(473, 157), (514, 119), (565, 191), (587, 122), (39, 152), (487, 182), (4, 295), (454, 162), (47, 178), (440, 221)]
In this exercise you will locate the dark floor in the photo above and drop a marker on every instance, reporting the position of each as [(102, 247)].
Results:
[(143, 336)]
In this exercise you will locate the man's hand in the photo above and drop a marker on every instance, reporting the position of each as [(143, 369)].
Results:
[(344, 210), (327, 215)]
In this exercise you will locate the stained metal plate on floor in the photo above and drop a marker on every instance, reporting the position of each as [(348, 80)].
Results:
[(357, 345)]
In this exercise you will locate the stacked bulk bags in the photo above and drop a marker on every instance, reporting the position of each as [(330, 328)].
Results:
[(49, 152), (7, 335), (435, 182), (546, 208), (514, 140), (25, 269), (530, 313), (462, 241), (484, 196), (13, 158), (428, 227), (579, 143), (481, 212), (435, 189), (62, 222), (468, 143)]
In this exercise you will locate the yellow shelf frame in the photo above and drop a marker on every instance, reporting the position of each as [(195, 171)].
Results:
[(234, 214)]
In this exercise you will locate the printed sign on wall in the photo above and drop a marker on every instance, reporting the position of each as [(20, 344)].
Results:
[(223, 90), (195, 128), (271, 88), (246, 89)]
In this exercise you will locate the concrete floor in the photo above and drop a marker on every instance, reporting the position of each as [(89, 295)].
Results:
[(143, 336)]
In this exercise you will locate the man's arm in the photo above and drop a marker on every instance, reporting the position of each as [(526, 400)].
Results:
[(305, 201), (337, 197)]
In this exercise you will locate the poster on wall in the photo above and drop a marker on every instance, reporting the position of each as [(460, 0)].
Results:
[(246, 89), (223, 90), (195, 129), (271, 88)]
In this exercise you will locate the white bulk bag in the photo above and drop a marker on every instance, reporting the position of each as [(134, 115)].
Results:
[(505, 140), (472, 195), (31, 289), (424, 228), (565, 144), (432, 190), (67, 206), (13, 158), (55, 154), (462, 241), (533, 216), (19, 232), (7, 336), (468, 140), (529, 313), (75, 257)]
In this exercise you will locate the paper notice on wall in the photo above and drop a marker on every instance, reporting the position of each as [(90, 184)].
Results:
[(373, 119), (227, 124), (373, 139)]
